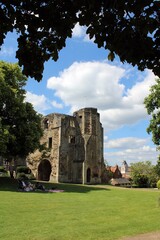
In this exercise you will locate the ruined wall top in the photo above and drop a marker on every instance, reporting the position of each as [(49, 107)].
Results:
[(54, 120), (86, 117), (92, 110), (61, 115)]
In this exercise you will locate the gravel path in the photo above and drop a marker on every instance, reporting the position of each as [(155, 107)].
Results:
[(147, 236)]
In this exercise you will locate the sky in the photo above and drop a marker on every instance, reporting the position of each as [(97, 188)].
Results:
[(83, 77)]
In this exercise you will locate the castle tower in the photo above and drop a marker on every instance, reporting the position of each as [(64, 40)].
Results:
[(92, 133), (74, 148)]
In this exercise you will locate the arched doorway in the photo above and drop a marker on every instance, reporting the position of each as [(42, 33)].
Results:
[(44, 170), (88, 175)]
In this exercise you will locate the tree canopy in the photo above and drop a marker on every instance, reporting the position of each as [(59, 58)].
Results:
[(157, 167), (128, 28), (152, 104), (143, 174), (20, 124)]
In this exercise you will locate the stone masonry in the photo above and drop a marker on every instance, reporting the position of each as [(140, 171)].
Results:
[(74, 148)]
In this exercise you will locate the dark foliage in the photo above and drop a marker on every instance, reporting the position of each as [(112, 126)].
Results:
[(128, 28)]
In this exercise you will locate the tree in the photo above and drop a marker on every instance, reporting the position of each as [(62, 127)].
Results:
[(152, 104), (158, 184), (20, 124), (4, 134), (128, 28), (157, 167), (143, 174)]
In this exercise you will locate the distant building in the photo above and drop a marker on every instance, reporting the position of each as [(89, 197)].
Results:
[(125, 170), (123, 182), (74, 148), (116, 173), (119, 175)]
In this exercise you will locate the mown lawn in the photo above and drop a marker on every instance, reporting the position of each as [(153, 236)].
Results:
[(80, 212)]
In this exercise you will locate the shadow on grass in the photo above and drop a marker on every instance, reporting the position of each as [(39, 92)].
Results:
[(10, 184)]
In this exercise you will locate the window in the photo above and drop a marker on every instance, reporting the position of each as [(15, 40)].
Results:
[(80, 119), (72, 139), (50, 143), (72, 123), (46, 122)]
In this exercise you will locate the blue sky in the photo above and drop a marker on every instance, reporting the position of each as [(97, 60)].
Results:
[(83, 77)]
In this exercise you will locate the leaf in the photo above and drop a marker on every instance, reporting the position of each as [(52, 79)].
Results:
[(111, 56)]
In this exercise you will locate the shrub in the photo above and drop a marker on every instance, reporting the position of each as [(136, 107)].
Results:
[(30, 176), (24, 173), (2, 169), (3, 172), (141, 180), (23, 169), (21, 176), (158, 184)]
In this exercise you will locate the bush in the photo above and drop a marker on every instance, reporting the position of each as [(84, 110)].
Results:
[(21, 176), (3, 172), (2, 169), (30, 176), (141, 180), (23, 169), (158, 184), (24, 173)]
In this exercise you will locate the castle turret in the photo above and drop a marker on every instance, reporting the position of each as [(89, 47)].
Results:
[(92, 132)]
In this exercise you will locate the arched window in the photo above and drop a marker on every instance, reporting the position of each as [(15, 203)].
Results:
[(46, 122), (88, 175)]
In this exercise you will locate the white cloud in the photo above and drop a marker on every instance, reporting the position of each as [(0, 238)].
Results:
[(98, 84), (115, 118), (128, 142), (39, 102), (56, 105), (87, 39), (139, 91), (131, 108), (79, 31), (130, 149), (88, 84)]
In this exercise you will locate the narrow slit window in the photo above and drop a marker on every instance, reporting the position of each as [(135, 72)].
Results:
[(50, 143)]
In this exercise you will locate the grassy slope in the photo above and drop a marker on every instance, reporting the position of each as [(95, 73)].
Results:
[(81, 212)]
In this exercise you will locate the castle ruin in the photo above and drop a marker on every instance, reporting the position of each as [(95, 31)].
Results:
[(74, 148)]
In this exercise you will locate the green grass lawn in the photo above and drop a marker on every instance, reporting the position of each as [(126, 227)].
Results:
[(80, 212)]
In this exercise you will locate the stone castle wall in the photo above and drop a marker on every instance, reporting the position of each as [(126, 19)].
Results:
[(74, 148)]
